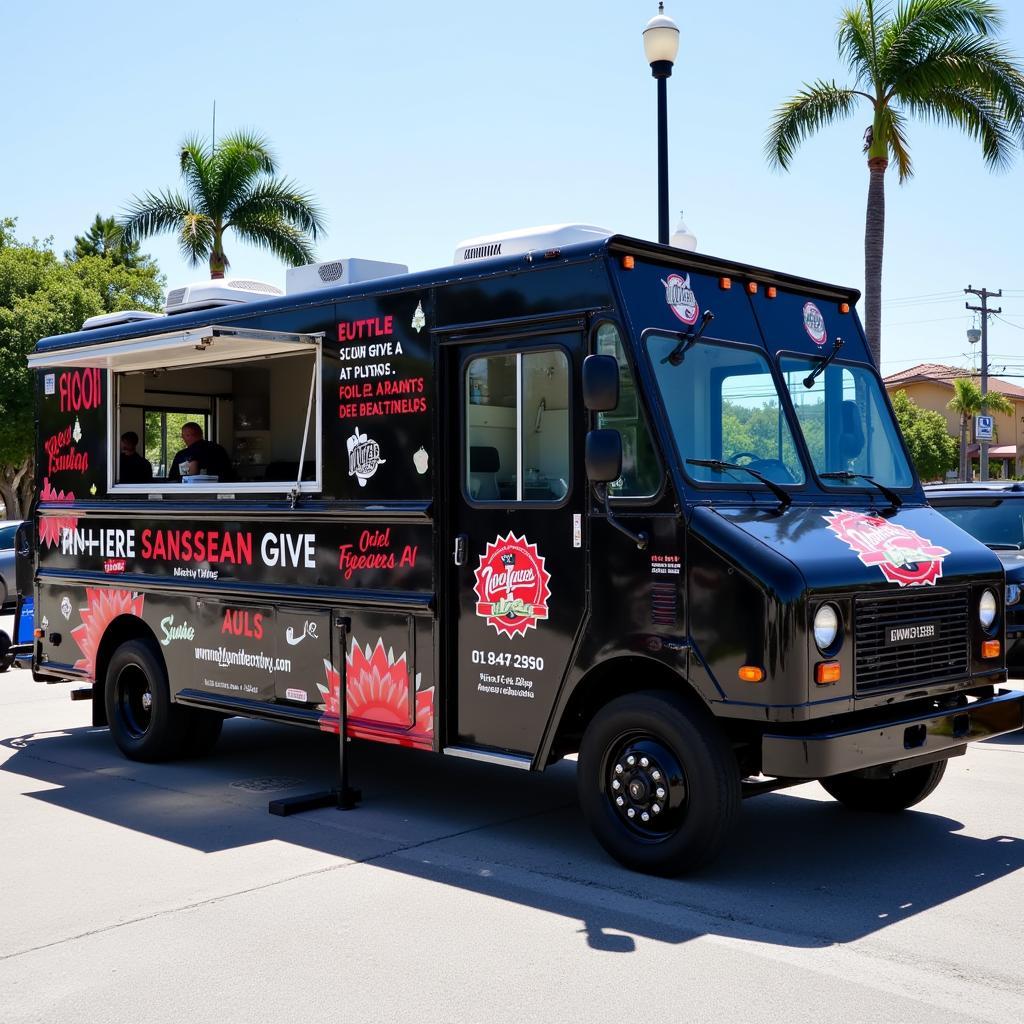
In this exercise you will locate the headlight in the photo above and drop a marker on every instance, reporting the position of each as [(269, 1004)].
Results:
[(987, 608), (1012, 593), (826, 626)]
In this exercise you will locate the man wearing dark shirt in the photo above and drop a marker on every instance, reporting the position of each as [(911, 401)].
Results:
[(199, 456), (133, 469)]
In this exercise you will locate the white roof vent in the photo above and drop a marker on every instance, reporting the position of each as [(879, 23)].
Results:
[(335, 272), (227, 291), (511, 243), (122, 316)]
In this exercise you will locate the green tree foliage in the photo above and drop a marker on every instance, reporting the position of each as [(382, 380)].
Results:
[(229, 186), (968, 401), (40, 295), (105, 238), (937, 60), (934, 452)]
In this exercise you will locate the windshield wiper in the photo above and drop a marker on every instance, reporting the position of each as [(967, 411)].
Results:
[(820, 368), (845, 474), (721, 467), (675, 357)]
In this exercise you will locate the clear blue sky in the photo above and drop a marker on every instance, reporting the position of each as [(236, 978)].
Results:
[(420, 124)]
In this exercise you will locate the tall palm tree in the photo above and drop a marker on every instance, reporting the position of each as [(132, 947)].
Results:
[(229, 186), (934, 59), (968, 401)]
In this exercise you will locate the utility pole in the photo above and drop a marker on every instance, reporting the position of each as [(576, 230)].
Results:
[(984, 294)]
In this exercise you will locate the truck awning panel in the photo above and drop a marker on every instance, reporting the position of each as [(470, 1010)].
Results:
[(198, 346)]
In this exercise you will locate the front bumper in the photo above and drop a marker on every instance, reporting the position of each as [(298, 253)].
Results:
[(929, 737)]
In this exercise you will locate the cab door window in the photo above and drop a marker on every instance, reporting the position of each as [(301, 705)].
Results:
[(518, 435)]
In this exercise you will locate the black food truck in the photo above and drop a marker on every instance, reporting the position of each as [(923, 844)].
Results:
[(575, 494)]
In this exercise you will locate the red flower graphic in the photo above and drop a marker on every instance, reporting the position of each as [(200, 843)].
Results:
[(378, 694), (103, 606), (51, 527)]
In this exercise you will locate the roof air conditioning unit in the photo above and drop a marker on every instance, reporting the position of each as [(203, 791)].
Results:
[(338, 272), (524, 240), (122, 316), (227, 291)]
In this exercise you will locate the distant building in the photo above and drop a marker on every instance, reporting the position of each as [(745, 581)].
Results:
[(930, 385)]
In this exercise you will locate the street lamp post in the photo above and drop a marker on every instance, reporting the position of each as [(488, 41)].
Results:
[(661, 44)]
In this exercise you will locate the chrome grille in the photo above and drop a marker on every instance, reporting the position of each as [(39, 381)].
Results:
[(945, 656)]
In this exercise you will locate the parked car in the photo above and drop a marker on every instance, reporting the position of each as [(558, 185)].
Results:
[(8, 590), (993, 512)]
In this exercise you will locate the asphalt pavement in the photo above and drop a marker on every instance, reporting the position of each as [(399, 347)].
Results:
[(467, 892)]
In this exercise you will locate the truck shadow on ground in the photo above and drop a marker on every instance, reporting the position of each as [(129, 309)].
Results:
[(799, 871)]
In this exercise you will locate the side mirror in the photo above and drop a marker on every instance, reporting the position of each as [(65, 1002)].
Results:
[(600, 383), (603, 454)]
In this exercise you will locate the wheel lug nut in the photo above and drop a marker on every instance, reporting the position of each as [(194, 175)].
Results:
[(619, 801), (655, 775), (644, 762), (616, 784), (656, 808), (618, 769), (631, 813), (645, 816), (660, 793), (631, 760)]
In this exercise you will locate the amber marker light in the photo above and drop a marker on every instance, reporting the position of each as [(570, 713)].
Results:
[(751, 673), (38, 634), (628, 263), (990, 649), (826, 672), (752, 287), (771, 291), (844, 307), (725, 283)]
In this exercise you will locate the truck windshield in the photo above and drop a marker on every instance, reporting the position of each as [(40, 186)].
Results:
[(723, 404), (847, 426)]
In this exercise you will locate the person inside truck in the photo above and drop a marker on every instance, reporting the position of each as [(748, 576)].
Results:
[(199, 456), (133, 468)]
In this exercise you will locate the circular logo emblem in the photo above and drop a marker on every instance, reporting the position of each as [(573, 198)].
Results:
[(814, 324), (512, 585), (679, 295), (903, 555)]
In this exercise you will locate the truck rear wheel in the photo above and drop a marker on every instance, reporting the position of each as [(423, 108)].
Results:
[(902, 790), (658, 783), (145, 725)]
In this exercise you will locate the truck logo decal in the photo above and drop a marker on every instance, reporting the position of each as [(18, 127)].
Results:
[(680, 298), (903, 555), (363, 457), (814, 324), (103, 605), (512, 585)]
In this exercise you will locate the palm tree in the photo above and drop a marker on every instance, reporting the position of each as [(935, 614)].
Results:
[(230, 185), (934, 59), (968, 401)]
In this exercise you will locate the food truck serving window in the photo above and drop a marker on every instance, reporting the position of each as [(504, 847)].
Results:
[(722, 403), (846, 424), (517, 427)]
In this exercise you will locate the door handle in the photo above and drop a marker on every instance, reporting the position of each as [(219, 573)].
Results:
[(461, 544)]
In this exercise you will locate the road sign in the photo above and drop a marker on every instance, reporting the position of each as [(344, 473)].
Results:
[(983, 428)]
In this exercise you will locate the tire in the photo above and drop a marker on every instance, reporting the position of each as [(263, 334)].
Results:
[(144, 723), (202, 730), (6, 658), (898, 793), (681, 745)]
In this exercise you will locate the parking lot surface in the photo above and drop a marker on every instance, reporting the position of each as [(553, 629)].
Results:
[(467, 892)]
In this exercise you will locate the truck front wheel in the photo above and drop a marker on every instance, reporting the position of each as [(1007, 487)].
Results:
[(902, 790), (658, 783), (145, 725)]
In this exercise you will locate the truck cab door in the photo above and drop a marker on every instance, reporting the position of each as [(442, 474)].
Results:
[(516, 544)]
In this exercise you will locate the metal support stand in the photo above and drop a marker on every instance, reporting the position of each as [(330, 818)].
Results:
[(344, 797)]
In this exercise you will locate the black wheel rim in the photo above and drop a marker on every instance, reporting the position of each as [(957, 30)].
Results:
[(645, 786), (134, 701)]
